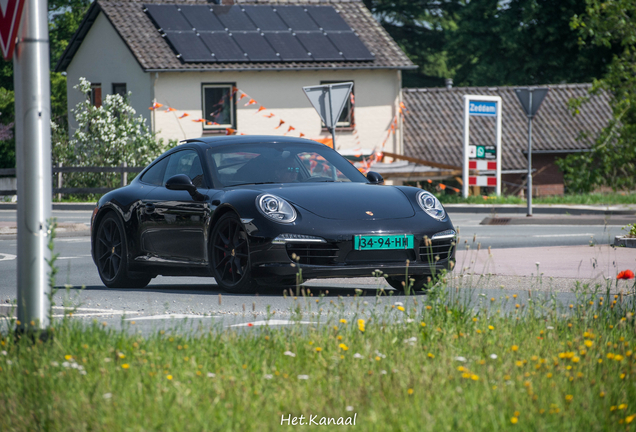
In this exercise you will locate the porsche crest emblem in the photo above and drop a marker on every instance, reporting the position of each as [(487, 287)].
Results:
[(370, 213)]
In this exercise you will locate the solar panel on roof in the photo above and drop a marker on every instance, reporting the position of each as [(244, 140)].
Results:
[(233, 18), (265, 18), (223, 47), (327, 18), (288, 46), (229, 32), (201, 18), (296, 18), (167, 17), (319, 46), (255, 46), (189, 46), (350, 46)]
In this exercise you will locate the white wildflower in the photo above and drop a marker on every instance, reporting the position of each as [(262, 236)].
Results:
[(357, 356), (211, 375), (460, 359), (289, 353), (268, 376), (493, 356), (349, 408), (107, 395), (303, 377)]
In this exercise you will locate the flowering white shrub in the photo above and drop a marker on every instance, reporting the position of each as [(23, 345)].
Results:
[(111, 134), (106, 136)]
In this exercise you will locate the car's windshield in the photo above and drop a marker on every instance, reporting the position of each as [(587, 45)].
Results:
[(264, 163)]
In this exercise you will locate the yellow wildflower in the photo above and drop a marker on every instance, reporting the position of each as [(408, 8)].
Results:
[(515, 348), (343, 347), (490, 327), (568, 398), (400, 308), (318, 349), (169, 377), (622, 406), (361, 325), (125, 366), (343, 321), (68, 357), (423, 324), (410, 391), (430, 355), (514, 420)]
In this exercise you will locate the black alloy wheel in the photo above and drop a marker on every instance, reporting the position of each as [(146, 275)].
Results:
[(417, 283), (230, 255), (111, 255)]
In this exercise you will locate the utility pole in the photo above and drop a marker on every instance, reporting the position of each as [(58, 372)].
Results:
[(33, 159)]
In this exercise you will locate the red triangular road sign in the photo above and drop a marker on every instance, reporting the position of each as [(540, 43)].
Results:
[(10, 14)]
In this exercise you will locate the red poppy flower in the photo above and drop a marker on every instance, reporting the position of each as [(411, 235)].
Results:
[(250, 324), (625, 274)]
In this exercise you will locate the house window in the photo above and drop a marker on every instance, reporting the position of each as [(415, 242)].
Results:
[(96, 95), (219, 106), (119, 89), (346, 119)]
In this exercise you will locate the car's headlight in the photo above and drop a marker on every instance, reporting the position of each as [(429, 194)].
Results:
[(275, 208), (431, 205)]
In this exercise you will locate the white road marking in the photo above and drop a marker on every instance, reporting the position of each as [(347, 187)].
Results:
[(83, 239), (169, 316), (270, 323), (564, 235), (73, 257), (7, 257)]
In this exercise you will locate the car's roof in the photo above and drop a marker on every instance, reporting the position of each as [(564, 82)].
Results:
[(247, 139)]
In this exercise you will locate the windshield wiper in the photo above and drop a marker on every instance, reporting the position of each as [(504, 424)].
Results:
[(259, 183)]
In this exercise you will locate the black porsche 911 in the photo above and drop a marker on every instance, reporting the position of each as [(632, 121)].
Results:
[(253, 210)]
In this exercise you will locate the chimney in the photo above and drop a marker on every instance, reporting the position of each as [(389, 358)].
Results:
[(449, 83)]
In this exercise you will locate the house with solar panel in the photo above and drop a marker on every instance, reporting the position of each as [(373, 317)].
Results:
[(205, 68)]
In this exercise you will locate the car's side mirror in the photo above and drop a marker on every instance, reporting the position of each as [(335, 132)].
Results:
[(375, 178), (183, 182)]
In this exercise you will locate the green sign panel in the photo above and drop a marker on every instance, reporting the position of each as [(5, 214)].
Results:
[(481, 152)]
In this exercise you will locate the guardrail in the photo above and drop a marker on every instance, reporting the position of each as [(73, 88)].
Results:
[(124, 169)]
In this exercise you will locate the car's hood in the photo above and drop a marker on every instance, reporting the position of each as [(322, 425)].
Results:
[(351, 201)]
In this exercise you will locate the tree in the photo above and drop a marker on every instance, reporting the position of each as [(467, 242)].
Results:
[(491, 42), (612, 160), (64, 19), (421, 29)]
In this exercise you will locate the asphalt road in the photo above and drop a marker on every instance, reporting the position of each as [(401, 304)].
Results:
[(198, 301)]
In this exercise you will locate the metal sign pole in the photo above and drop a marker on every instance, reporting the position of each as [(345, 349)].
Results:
[(332, 129), (529, 181), (33, 155)]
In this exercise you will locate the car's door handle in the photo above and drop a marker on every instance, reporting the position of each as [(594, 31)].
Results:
[(150, 207)]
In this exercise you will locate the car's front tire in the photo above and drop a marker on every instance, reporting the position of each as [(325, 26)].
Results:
[(111, 255), (230, 255)]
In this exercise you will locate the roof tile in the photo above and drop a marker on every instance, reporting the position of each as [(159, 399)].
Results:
[(434, 123), (153, 53)]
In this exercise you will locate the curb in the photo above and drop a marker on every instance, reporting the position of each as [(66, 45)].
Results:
[(56, 206), (553, 210), (571, 220)]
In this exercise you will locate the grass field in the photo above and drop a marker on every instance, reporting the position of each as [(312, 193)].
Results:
[(430, 363)]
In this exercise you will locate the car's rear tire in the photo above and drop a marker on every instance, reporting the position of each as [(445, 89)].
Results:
[(111, 255), (230, 255), (418, 283)]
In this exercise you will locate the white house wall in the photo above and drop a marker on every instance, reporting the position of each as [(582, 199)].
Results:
[(104, 58), (376, 102)]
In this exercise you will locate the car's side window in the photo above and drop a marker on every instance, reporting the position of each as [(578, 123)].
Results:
[(154, 175), (186, 162)]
